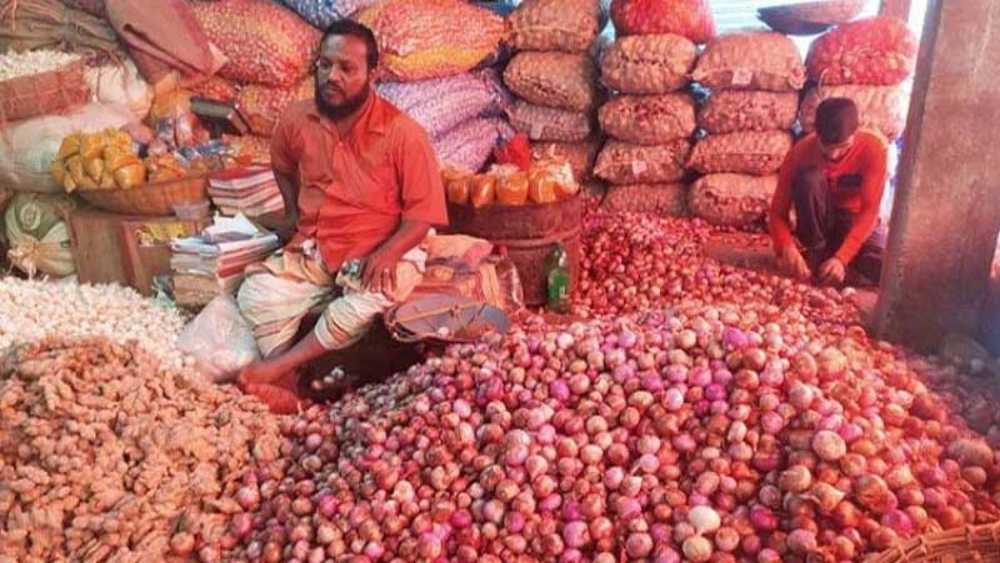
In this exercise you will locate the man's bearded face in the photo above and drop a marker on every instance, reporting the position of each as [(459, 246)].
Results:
[(343, 80)]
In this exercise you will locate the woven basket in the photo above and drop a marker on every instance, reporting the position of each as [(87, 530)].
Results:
[(810, 18), (149, 199), (43, 93), (967, 544)]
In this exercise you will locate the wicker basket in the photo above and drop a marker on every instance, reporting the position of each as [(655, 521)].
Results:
[(810, 18), (43, 93), (149, 199), (967, 544)]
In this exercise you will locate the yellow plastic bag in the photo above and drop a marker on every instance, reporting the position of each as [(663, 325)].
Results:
[(70, 147), (94, 167), (513, 189), (130, 176), (483, 190), (542, 188), (458, 190)]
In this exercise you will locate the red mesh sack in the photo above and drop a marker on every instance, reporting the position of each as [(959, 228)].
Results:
[(689, 18), (422, 39), (876, 51), (263, 106), (264, 42), (216, 88)]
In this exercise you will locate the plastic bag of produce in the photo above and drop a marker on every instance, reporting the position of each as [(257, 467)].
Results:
[(627, 163), (263, 105), (37, 234), (471, 144), (751, 61), (743, 152), (648, 64), (440, 104), (264, 42), (881, 108), (542, 123), (555, 25), (560, 80), (321, 13), (580, 156), (690, 18), (220, 340), (649, 120), (421, 39), (732, 200), (665, 200), (728, 111), (28, 148), (876, 51), (512, 189), (483, 190), (120, 84)]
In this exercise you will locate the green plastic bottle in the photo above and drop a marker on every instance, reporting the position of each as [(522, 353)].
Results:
[(557, 276)]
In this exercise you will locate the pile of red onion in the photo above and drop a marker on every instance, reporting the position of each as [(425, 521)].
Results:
[(732, 417)]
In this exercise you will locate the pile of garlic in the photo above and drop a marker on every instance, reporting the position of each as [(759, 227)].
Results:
[(32, 310), (15, 65)]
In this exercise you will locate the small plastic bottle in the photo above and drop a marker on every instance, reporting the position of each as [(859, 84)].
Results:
[(557, 276)]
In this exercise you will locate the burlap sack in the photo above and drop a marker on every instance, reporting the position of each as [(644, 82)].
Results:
[(542, 123), (580, 155), (751, 61), (665, 200), (728, 111), (649, 120), (559, 80), (626, 163), (732, 200), (744, 152), (648, 64), (881, 108), (555, 25)]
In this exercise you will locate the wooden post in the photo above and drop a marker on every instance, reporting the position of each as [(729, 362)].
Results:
[(947, 212), (897, 8)]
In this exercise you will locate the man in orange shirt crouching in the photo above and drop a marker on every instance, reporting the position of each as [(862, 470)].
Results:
[(834, 178), (362, 190)]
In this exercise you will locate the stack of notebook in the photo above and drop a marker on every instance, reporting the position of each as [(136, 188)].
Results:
[(250, 191), (212, 263)]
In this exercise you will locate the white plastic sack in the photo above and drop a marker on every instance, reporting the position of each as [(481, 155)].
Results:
[(120, 84), (27, 148), (220, 340), (38, 236)]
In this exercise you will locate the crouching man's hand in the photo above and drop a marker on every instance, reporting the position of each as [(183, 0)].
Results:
[(793, 264)]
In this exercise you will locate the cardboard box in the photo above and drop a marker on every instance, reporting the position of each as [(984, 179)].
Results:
[(129, 250)]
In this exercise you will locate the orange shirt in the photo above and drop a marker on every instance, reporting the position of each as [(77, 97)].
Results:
[(856, 183), (355, 190)]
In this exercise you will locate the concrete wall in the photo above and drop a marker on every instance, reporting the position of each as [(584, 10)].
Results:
[(947, 212)]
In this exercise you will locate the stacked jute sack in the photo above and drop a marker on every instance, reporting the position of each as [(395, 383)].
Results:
[(867, 61), (430, 53), (555, 80), (650, 119), (754, 79)]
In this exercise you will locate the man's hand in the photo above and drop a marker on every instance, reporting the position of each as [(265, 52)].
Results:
[(832, 272), (379, 274), (791, 263)]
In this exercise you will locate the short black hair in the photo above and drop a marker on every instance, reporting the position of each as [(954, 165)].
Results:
[(836, 120), (355, 29)]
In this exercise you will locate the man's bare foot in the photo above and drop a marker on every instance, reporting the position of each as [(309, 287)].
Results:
[(262, 372)]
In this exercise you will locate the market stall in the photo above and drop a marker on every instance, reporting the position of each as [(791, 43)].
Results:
[(599, 362)]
